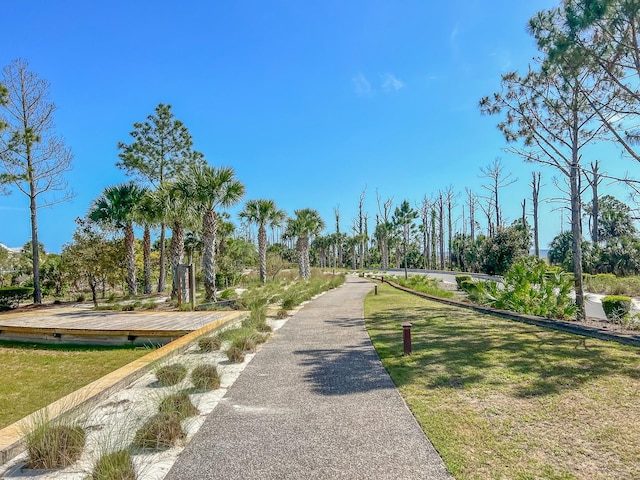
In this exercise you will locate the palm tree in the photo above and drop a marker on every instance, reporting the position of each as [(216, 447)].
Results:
[(209, 188), (116, 208), (263, 213), (306, 224)]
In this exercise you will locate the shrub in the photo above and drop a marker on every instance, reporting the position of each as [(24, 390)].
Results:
[(54, 445), (467, 285), (209, 344), (10, 296), (162, 430), (205, 377), (616, 307), (171, 374), (114, 466), (178, 403), (235, 354), (462, 278)]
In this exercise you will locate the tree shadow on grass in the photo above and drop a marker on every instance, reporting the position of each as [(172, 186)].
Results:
[(455, 348)]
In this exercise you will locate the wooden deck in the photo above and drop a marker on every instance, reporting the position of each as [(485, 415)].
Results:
[(82, 325)]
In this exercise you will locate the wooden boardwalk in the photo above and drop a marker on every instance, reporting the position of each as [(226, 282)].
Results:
[(74, 323)]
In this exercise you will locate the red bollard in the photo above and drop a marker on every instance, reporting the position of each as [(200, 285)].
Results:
[(406, 335)]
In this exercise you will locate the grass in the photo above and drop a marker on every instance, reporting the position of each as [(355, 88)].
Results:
[(33, 376), (205, 377), (171, 374), (53, 443), (609, 284), (115, 465), (499, 399)]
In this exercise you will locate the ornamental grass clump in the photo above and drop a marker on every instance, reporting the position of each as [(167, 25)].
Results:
[(54, 443), (114, 466), (178, 403), (205, 377), (210, 343), (171, 374), (235, 354), (161, 431)]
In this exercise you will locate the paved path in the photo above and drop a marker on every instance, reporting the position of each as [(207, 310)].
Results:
[(314, 403)]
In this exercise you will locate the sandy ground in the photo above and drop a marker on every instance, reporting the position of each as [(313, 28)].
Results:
[(111, 425)]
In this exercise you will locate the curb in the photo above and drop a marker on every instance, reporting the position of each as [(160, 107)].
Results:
[(12, 437)]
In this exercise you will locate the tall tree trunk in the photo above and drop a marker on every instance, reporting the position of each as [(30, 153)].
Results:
[(262, 249), (209, 233), (301, 256), (130, 248), (163, 273), (535, 185), (146, 258), (176, 253), (441, 222), (576, 231), (37, 292), (434, 262)]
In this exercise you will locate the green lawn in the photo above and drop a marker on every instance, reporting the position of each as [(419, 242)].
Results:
[(500, 399), (33, 376)]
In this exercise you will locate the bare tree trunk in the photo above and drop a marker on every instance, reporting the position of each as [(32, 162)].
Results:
[(37, 292), (441, 225), (576, 230), (535, 185), (595, 207)]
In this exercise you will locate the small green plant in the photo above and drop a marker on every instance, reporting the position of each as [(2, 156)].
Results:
[(163, 430), (205, 377), (282, 313), (130, 307), (171, 374), (10, 296), (114, 466), (210, 343), (616, 307), (178, 403), (235, 354), (80, 298), (54, 443), (462, 278)]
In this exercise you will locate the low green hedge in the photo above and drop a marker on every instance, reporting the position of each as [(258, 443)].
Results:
[(10, 296), (462, 278), (616, 307)]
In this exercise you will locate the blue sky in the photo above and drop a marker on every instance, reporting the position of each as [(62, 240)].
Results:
[(310, 102)]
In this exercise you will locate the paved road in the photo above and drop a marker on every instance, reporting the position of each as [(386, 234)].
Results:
[(593, 306), (314, 403)]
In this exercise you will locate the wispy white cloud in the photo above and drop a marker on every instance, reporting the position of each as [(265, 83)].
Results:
[(391, 83), (362, 85)]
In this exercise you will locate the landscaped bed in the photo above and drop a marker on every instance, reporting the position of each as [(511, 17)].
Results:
[(33, 376), (500, 399)]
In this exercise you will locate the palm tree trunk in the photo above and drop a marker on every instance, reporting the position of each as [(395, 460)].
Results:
[(306, 273), (130, 248), (300, 251), (163, 273), (262, 249), (176, 249), (146, 258), (209, 230)]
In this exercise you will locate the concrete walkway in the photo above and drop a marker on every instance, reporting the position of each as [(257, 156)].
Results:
[(314, 403)]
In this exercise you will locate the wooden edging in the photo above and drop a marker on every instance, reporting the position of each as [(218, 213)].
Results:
[(12, 437), (543, 322)]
